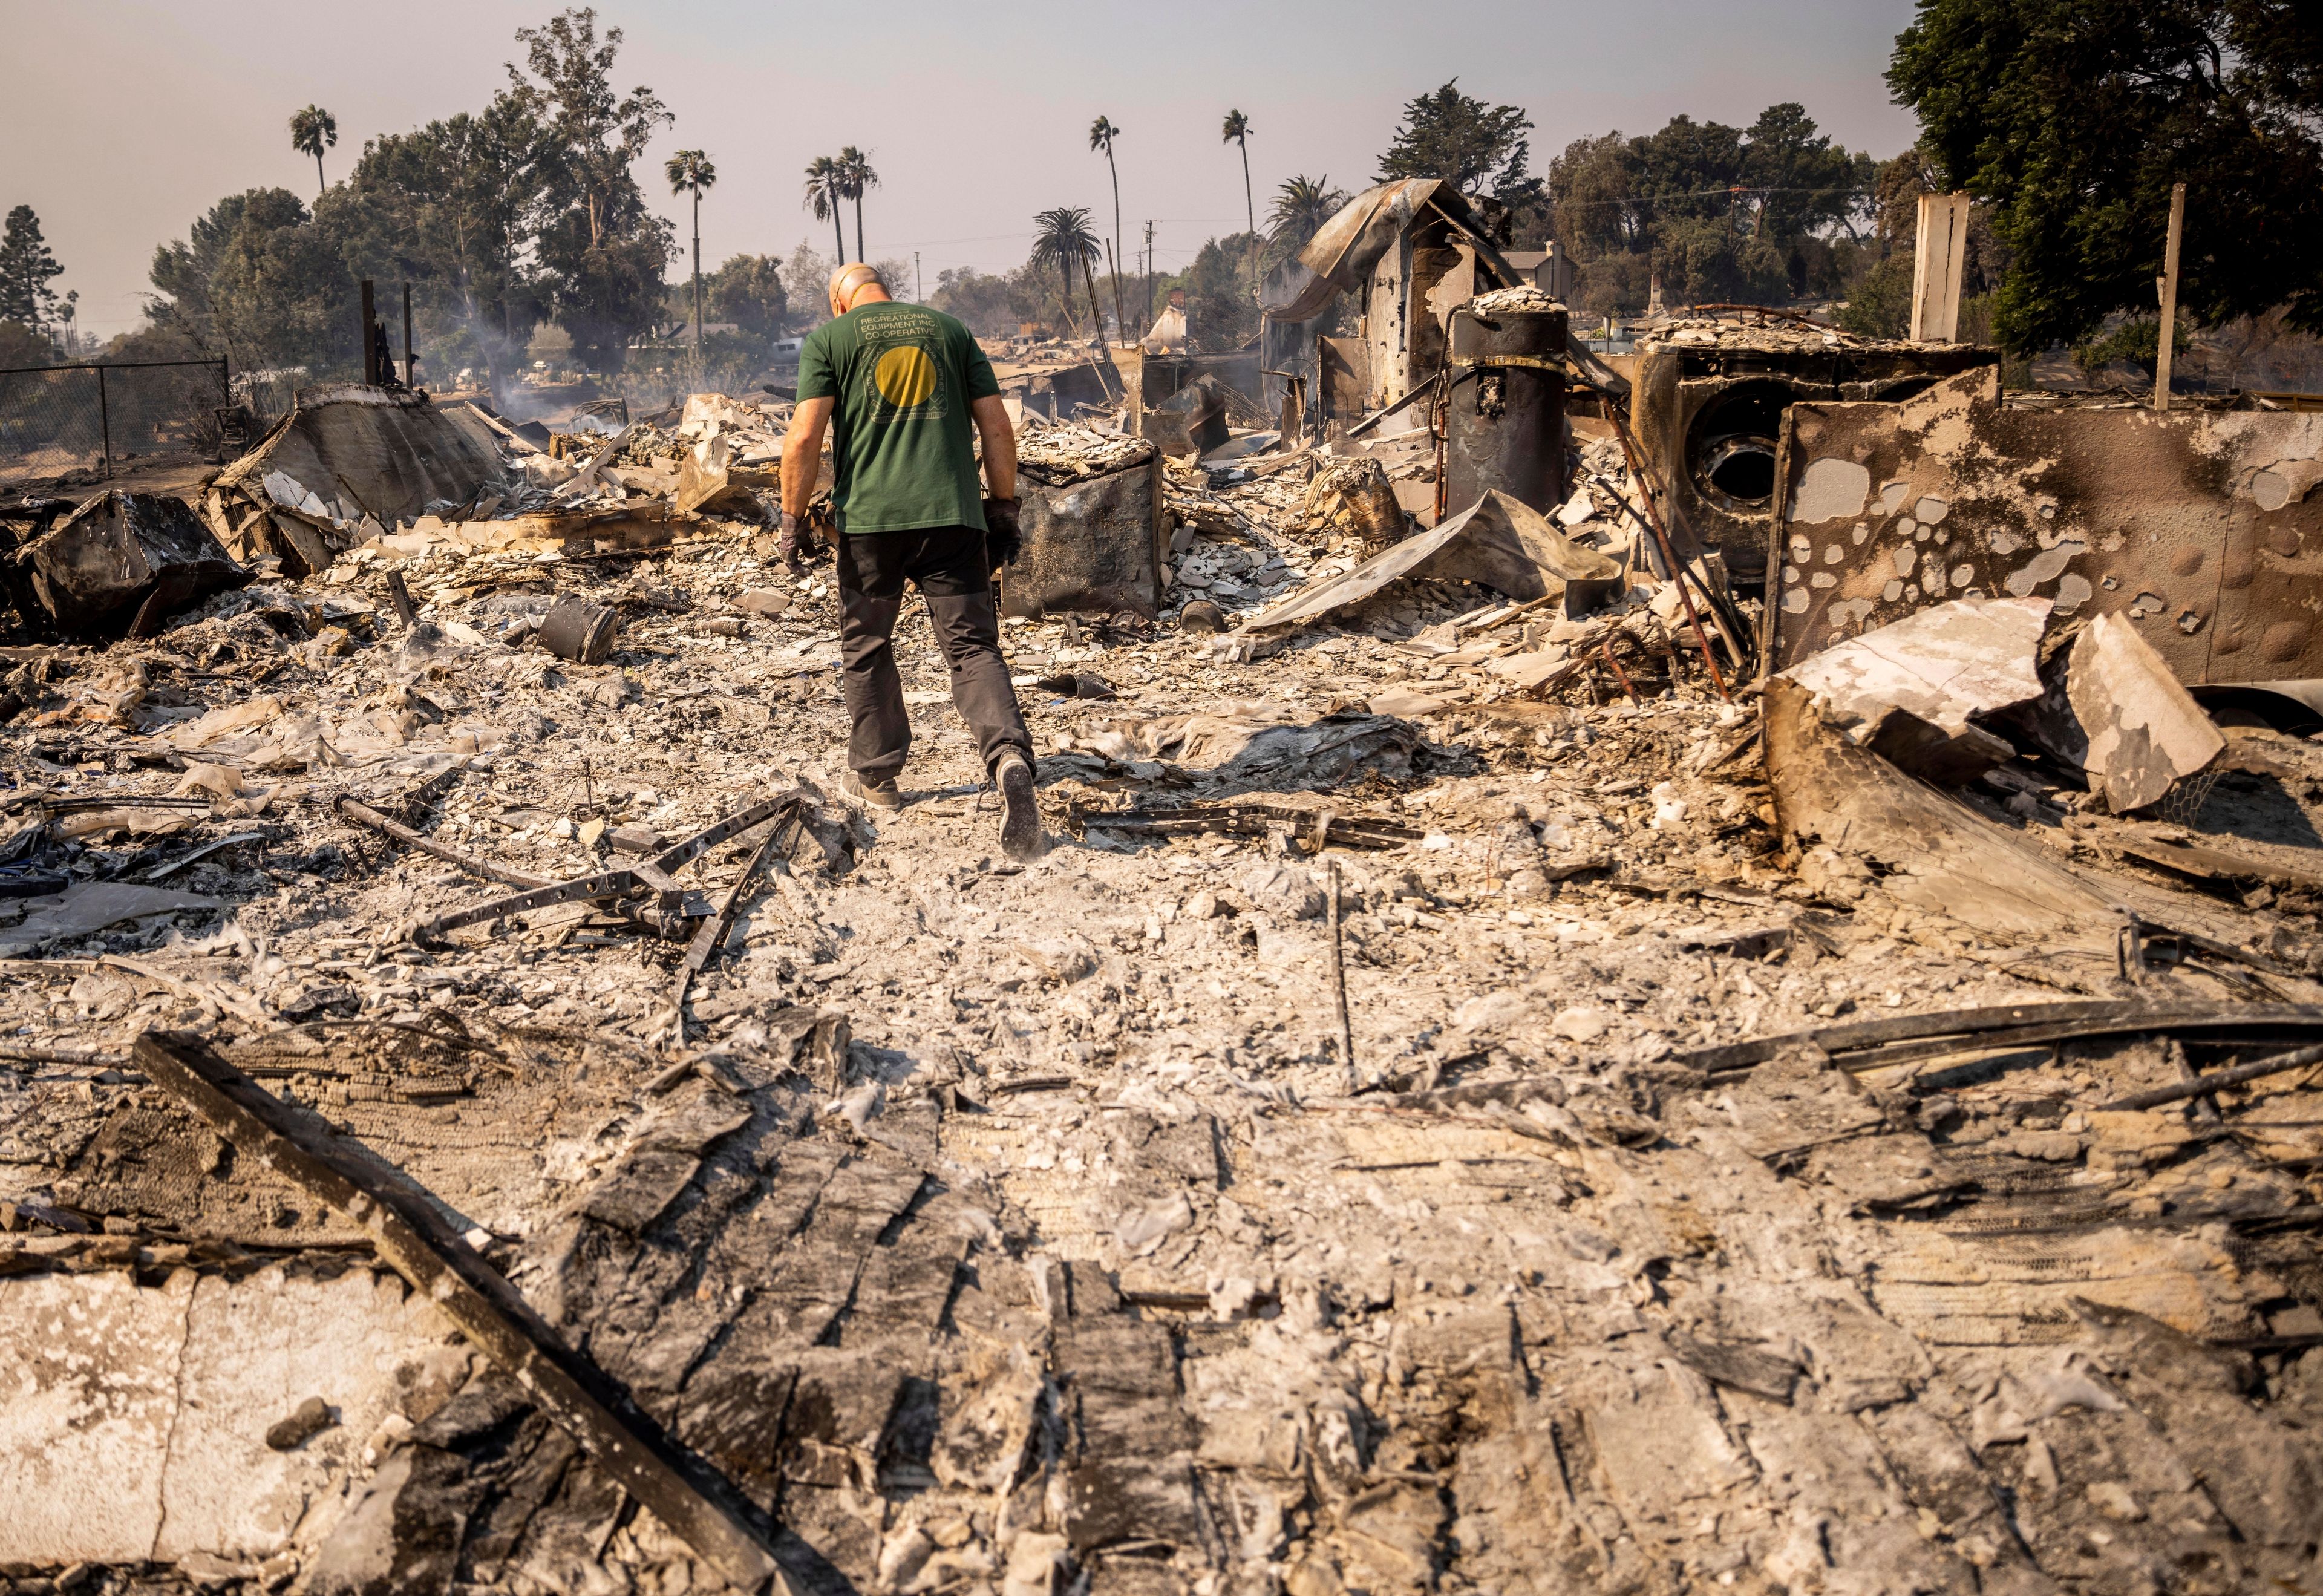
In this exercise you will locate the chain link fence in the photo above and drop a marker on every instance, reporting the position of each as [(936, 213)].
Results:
[(89, 417)]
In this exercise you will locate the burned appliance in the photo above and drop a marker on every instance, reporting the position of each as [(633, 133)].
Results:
[(1707, 405), (1504, 410)]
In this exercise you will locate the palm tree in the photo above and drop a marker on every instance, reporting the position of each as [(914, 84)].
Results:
[(1065, 242), (311, 130), (1237, 132), (689, 171), (822, 198), (855, 176), (1102, 133), (1300, 207)]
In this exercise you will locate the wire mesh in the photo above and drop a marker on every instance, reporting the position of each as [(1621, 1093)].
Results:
[(59, 419), (2183, 802)]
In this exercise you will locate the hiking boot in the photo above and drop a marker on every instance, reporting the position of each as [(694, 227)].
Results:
[(880, 793), (1020, 816)]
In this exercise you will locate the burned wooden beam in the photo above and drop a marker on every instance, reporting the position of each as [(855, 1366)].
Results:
[(1908, 1037), (697, 1502)]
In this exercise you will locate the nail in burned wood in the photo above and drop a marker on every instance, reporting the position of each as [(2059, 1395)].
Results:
[(696, 1502)]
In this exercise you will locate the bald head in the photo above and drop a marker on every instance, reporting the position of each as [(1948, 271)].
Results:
[(856, 283)]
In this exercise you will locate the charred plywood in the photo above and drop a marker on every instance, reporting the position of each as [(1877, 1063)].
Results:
[(2183, 523), (1708, 405)]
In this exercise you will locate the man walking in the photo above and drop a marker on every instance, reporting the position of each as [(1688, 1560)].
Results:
[(902, 384)]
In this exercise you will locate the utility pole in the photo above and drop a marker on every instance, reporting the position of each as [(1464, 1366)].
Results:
[(1146, 310), (918, 294), (410, 365), (2166, 344)]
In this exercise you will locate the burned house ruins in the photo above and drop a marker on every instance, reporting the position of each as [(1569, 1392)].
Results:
[(1662, 972)]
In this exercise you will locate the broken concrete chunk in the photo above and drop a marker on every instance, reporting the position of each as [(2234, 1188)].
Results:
[(2146, 732), (1939, 856), (1284, 891), (1907, 690), (96, 570), (1943, 665)]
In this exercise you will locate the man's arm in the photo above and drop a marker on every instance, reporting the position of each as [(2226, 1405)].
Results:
[(991, 416), (802, 454)]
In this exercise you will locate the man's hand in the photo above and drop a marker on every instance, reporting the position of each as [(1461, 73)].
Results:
[(1003, 539), (797, 545)]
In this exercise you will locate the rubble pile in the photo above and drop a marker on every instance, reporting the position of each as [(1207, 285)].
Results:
[(1483, 1089)]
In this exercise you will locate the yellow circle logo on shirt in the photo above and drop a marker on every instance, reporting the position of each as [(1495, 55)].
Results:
[(904, 377)]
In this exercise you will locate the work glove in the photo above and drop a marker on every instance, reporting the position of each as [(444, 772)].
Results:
[(1003, 539), (797, 545)]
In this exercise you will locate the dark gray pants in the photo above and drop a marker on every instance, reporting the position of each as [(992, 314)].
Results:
[(949, 568)]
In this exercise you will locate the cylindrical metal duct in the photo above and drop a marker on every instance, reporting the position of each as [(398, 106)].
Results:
[(578, 630), (1504, 424)]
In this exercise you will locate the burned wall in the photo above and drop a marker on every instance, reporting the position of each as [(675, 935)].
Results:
[(2196, 526), (1708, 404)]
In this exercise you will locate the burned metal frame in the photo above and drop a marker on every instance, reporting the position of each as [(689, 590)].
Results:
[(668, 913)]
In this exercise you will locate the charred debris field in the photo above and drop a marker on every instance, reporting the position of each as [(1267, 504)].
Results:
[(1516, 1069)]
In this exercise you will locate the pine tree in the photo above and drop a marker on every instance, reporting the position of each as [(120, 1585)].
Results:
[(25, 267)]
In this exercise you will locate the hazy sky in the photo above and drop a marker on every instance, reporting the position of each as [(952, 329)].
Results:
[(125, 120)]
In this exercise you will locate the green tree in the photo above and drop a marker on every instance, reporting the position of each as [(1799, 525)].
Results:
[(1717, 213), (689, 171), (601, 250), (26, 265), (993, 305), (447, 208), (1102, 133), (1476, 148), (855, 174), (311, 130), (825, 188), (1300, 207), (256, 280), (1222, 294), (1063, 242), (748, 290), (20, 345), (1801, 183), (2074, 117)]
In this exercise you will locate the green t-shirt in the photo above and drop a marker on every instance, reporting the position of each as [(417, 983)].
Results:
[(904, 376)]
